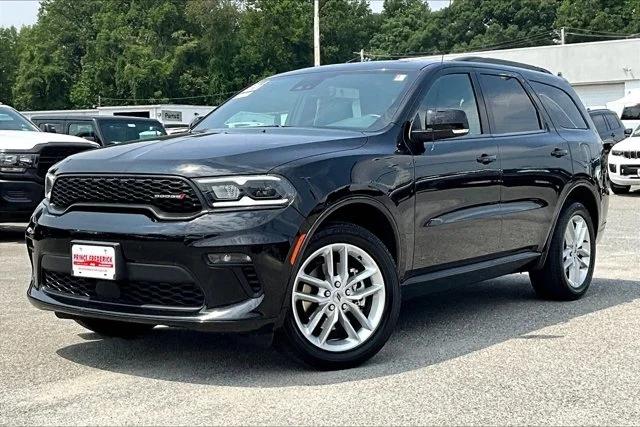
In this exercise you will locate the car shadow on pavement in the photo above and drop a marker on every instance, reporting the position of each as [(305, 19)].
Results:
[(12, 233), (431, 330)]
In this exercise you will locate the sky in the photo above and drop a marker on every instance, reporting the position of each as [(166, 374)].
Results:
[(25, 12)]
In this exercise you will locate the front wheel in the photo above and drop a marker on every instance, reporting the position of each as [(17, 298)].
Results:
[(568, 269), (345, 299)]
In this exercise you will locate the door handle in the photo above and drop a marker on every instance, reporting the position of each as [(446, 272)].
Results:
[(485, 159), (559, 152)]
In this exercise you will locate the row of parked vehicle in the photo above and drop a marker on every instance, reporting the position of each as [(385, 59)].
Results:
[(623, 145), (29, 148)]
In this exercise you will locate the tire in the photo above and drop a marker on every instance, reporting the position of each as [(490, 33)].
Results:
[(343, 347), (555, 282), (112, 328)]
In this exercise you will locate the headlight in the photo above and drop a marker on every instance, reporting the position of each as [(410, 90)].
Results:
[(616, 153), (48, 184), (258, 191), (16, 162)]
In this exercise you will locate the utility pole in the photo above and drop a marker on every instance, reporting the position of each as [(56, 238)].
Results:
[(316, 33), (562, 38)]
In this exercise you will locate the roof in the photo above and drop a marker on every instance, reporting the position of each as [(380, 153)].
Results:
[(96, 116), (415, 64), (366, 66)]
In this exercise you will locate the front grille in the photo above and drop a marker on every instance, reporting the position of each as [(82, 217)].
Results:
[(166, 195), (629, 170), (631, 154), (181, 295), (49, 156)]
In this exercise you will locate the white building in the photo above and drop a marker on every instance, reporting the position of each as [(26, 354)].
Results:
[(600, 72), (170, 115)]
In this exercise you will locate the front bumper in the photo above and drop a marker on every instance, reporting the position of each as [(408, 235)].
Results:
[(18, 199), (624, 171), (234, 297)]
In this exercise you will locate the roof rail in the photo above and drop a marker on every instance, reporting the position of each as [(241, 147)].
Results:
[(501, 62)]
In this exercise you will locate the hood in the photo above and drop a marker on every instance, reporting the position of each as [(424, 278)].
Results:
[(230, 152), (23, 140), (630, 144)]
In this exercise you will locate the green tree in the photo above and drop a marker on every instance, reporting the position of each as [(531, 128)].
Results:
[(8, 62), (406, 27), (589, 18), (498, 24), (347, 26), (51, 53), (276, 36)]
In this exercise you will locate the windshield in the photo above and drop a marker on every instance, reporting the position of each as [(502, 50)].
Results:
[(119, 131), (363, 100), (12, 120), (636, 132)]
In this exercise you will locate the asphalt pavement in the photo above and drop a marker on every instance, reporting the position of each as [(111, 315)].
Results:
[(490, 353)]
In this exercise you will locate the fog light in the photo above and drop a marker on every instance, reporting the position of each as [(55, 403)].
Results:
[(229, 258)]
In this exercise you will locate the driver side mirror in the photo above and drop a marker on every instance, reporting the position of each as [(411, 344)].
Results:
[(47, 127), (440, 124), (628, 132)]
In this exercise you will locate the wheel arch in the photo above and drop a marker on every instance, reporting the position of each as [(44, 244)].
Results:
[(579, 191), (344, 209)]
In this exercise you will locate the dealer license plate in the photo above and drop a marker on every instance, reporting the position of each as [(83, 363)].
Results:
[(97, 262)]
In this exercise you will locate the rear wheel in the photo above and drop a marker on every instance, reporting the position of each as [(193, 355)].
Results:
[(568, 269), (112, 328), (345, 299)]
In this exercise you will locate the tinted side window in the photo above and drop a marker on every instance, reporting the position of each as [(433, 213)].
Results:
[(509, 104), (631, 113), (601, 125), (453, 91), (81, 129), (560, 106), (613, 121)]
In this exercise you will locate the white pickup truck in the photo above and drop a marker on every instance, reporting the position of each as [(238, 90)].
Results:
[(26, 154)]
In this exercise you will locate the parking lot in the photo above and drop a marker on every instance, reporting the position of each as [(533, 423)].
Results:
[(488, 354)]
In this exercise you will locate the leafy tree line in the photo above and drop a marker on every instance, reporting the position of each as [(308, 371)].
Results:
[(202, 51)]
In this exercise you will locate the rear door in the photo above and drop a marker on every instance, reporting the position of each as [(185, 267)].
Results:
[(601, 126), (536, 163), (457, 217), (616, 128)]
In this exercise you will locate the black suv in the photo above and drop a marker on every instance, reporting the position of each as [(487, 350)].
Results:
[(609, 126), (309, 202), (105, 130)]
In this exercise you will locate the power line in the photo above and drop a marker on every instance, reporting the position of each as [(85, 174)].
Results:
[(170, 98)]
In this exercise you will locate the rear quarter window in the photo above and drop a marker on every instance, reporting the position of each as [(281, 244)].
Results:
[(563, 110)]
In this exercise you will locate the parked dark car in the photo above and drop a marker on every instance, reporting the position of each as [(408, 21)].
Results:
[(609, 126), (105, 130), (308, 203), (25, 156)]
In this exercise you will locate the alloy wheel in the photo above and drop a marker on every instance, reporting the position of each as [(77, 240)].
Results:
[(576, 254), (338, 297)]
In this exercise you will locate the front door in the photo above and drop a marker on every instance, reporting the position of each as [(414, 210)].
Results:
[(457, 213)]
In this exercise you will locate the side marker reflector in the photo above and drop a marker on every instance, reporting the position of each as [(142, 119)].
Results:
[(296, 248)]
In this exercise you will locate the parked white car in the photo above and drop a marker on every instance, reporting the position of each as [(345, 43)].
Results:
[(26, 154), (624, 163)]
